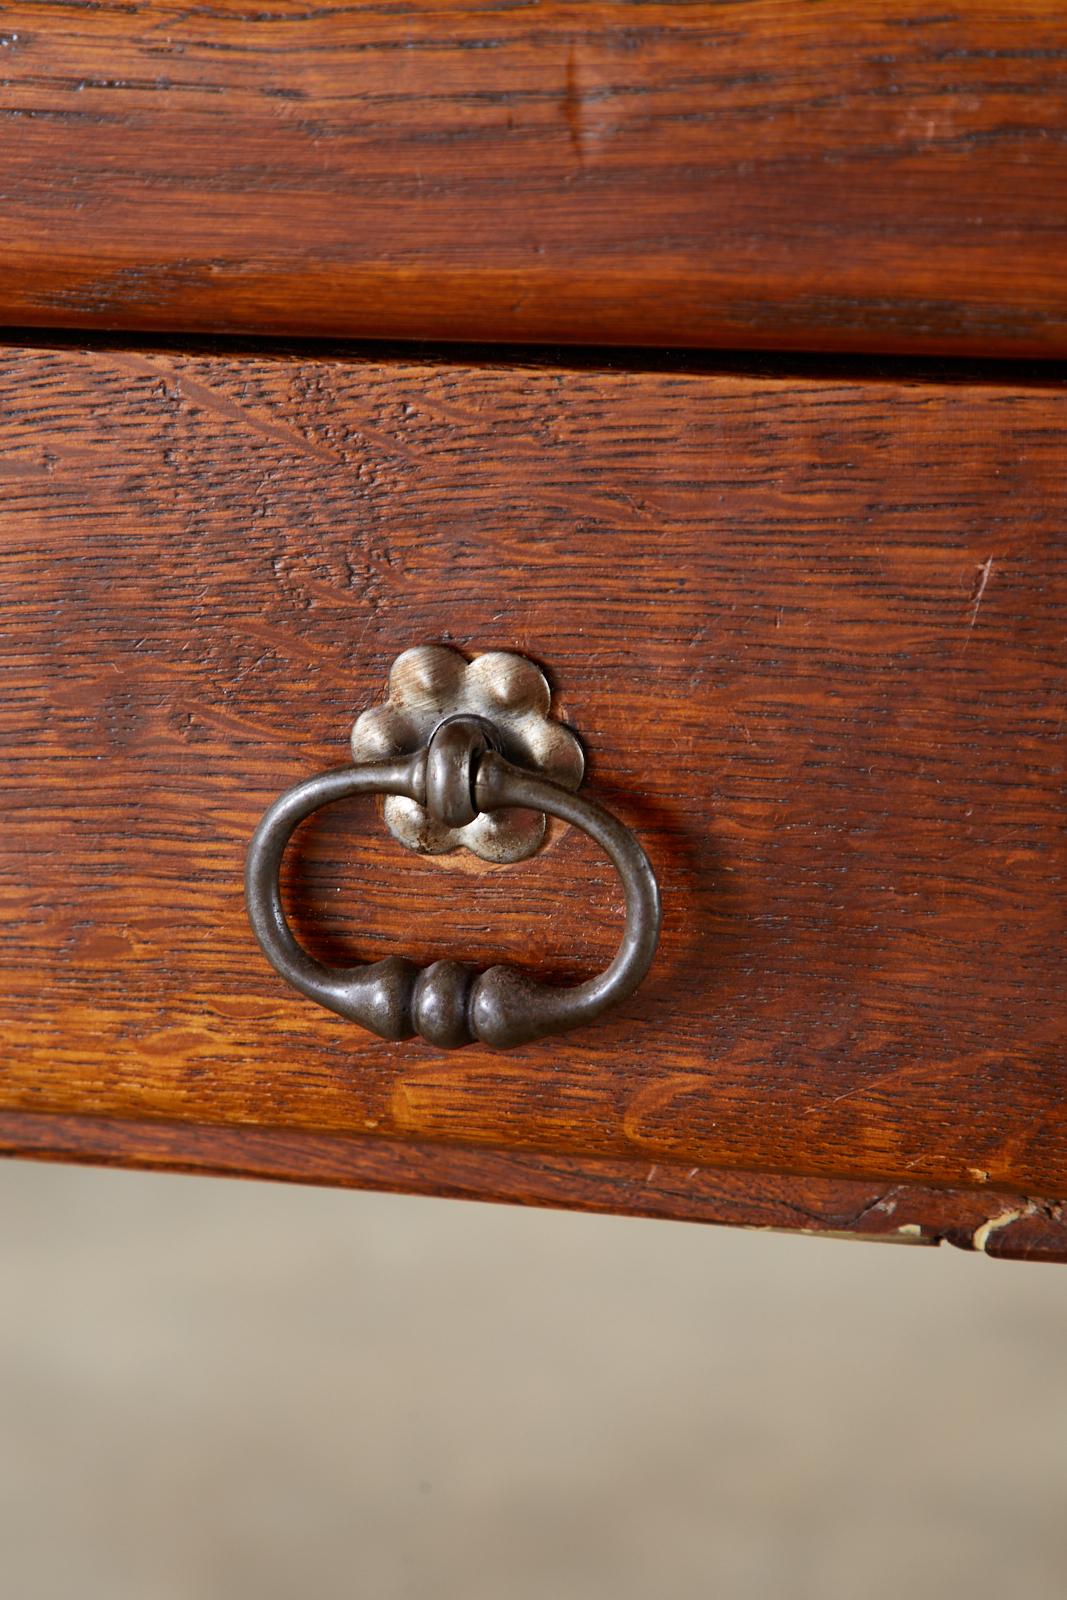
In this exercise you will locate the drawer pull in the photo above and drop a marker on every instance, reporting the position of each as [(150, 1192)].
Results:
[(458, 775)]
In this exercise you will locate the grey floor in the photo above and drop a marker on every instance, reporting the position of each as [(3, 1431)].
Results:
[(235, 1390)]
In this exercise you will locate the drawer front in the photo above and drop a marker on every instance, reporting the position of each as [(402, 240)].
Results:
[(811, 632)]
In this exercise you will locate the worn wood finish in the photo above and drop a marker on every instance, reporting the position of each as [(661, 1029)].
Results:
[(812, 634), (1012, 1227), (834, 176)]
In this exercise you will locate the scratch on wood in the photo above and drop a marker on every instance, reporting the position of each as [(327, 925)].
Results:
[(979, 589), (572, 107), (980, 1237)]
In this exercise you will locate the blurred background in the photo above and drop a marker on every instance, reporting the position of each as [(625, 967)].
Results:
[(211, 1388)]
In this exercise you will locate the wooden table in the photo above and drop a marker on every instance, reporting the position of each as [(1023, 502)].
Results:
[(806, 611)]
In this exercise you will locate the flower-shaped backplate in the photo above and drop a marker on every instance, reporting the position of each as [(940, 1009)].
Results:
[(432, 682)]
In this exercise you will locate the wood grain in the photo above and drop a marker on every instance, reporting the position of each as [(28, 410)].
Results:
[(766, 173), (811, 633), (1011, 1227)]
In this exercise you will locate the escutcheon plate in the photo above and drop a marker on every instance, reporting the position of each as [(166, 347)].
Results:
[(431, 682)]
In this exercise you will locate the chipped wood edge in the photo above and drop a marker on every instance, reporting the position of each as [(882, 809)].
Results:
[(990, 1222)]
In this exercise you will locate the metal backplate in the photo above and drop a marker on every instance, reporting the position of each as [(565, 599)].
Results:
[(432, 682)]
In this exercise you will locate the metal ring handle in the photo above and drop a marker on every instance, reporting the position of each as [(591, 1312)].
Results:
[(450, 1003)]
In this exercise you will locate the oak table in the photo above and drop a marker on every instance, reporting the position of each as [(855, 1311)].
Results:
[(804, 611)]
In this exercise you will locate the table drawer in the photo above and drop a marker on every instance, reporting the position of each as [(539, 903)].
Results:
[(811, 632)]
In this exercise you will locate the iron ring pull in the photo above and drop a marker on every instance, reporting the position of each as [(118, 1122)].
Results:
[(449, 1003)]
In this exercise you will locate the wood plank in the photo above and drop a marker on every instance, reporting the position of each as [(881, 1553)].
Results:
[(766, 173), (811, 633), (1010, 1227)]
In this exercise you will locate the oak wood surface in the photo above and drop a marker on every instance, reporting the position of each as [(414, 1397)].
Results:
[(812, 634), (1012, 1227), (765, 173)]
